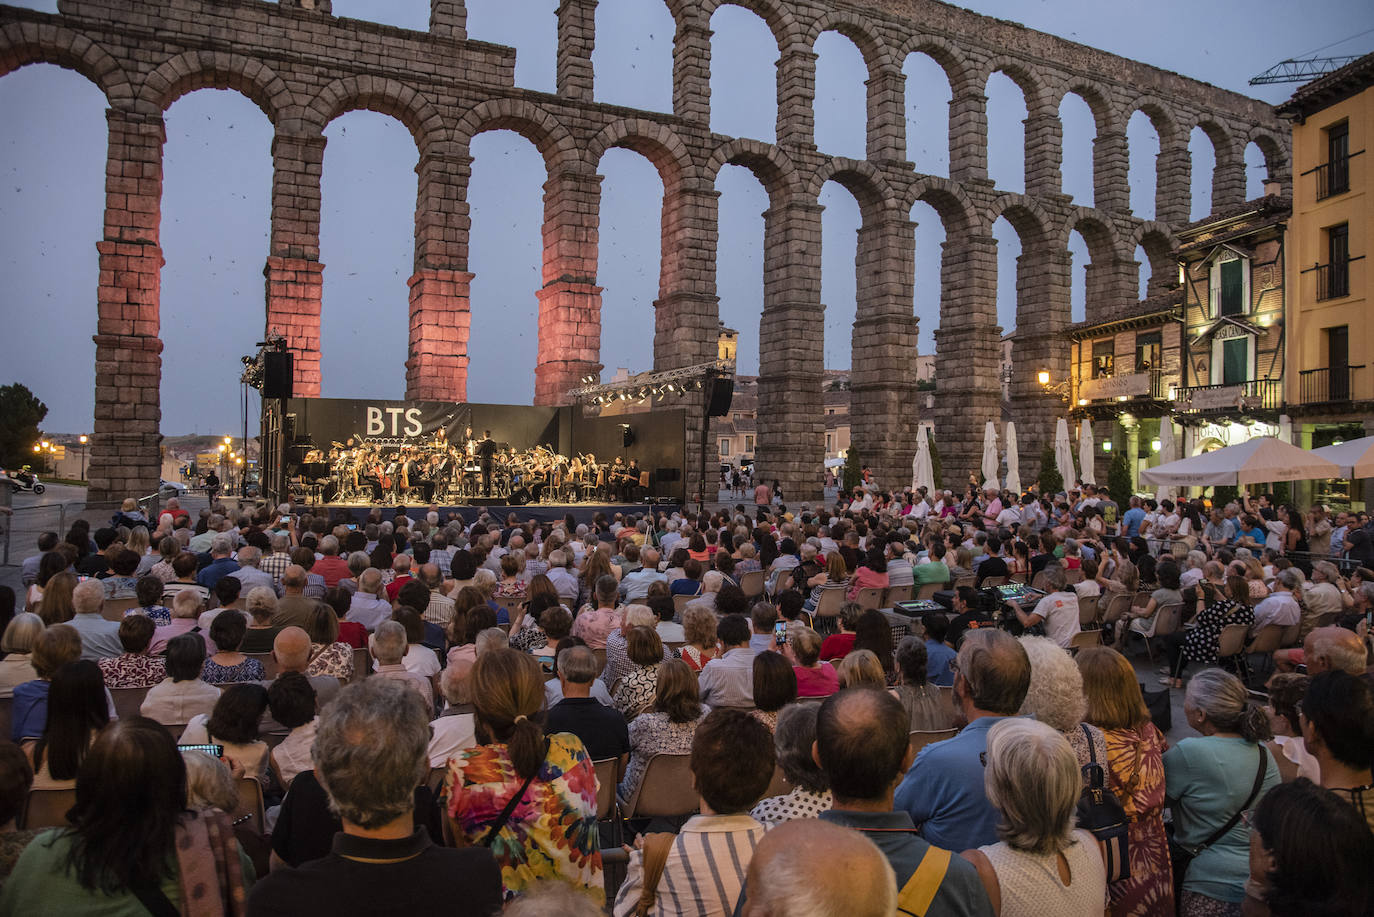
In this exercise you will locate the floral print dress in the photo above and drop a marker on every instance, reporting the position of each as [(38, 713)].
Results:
[(1135, 774), (551, 834), (335, 659)]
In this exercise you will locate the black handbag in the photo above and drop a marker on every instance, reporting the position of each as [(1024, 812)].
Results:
[(1160, 706), (1181, 855), (1103, 816)]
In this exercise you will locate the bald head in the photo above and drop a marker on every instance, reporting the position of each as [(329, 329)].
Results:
[(291, 649), (293, 579), (863, 744), (430, 575), (784, 882), (1334, 649)]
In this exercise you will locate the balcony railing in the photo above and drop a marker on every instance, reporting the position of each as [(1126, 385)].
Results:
[(1253, 395), (1333, 177), (1143, 383), (1333, 280), (1329, 383)]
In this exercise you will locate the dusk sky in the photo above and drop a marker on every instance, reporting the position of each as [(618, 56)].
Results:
[(218, 173)]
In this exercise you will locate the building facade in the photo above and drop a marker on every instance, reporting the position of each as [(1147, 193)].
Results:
[(1330, 329)]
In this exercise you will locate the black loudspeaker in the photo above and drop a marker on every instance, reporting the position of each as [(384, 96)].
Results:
[(627, 436), (276, 374), (722, 393), (520, 496)]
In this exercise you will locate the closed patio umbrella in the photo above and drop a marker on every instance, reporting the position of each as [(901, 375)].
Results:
[(1063, 453), (1013, 460), (1085, 452), (922, 471), (990, 463), (1167, 454)]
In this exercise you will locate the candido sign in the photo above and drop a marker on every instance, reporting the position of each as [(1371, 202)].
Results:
[(393, 421)]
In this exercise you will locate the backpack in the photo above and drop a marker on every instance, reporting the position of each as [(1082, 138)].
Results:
[(1101, 814)]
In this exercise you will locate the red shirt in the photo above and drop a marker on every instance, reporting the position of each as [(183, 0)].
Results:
[(821, 681), (837, 646), (394, 587), (333, 568)]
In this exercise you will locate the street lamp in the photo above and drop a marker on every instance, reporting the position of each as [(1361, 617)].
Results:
[(1043, 377), (1058, 389), (84, 440)]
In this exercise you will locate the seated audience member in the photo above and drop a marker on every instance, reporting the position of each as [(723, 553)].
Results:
[(77, 710), (294, 606), (16, 777), (1042, 864), (970, 613), (389, 649), (668, 727), (1055, 697), (291, 650), (553, 688), (874, 633), (939, 654), (261, 604), (54, 648), (775, 686), (369, 606), (99, 637), (149, 595), (292, 702), (181, 695), (862, 746), (228, 665), (328, 654), (923, 702), (553, 837), (17, 644), (131, 835), (419, 658), (857, 880), (634, 693), (1338, 729), (732, 764), (369, 758), (122, 581), (943, 790), (860, 668), (1058, 610), (186, 608), (618, 663), (596, 623), (1309, 854), (699, 631), (134, 668), (455, 730), (234, 723), (729, 680), (229, 593), (837, 646), (603, 730), (793, 738), (209, 783), (814, 678)]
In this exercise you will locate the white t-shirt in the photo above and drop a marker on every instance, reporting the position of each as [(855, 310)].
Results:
[(1060, 611), (421, 660)]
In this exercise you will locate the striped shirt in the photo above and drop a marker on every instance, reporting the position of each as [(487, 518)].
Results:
[(705, 870)]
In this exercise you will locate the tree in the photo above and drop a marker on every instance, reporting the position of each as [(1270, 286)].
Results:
[(851, 474), (1051, 481), (20, 414), (1119, 479)]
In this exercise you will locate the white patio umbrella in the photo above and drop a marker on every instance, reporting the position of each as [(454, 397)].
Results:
[(1085, 452), (922, 471), (990, 456), (1013, 460), (1355, 457), (1063, 453), (1255, 461), (1166, 455)]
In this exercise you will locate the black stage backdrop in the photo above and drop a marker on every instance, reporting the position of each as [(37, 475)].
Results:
[(659, 437)]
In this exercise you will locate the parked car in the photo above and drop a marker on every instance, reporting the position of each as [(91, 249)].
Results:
[(171, 489)]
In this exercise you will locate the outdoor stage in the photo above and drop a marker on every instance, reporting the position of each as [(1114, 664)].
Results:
[(498, 510)]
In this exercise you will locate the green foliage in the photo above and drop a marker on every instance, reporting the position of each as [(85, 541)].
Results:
[(1225, 493), (936, 470), (1119, 479), (1051, 481), (851, 473), (20, 414), (1283, 492)]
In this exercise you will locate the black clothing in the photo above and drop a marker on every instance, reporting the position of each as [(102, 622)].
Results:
[(379, 877), (602, 729), (305, 828), (991, 566), (969, 620)]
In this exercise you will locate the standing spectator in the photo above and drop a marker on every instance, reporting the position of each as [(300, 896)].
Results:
[(1209, 779), (1042, 864), (369, 753), (1135, 775), (943, 791), (861, 744), (550, 834), (732, 764)]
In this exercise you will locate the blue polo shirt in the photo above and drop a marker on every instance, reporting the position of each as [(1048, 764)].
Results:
[(216, 570), (943, 792), (938, 658), (1131, 519)]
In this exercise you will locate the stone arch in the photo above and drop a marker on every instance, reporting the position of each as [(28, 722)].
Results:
[(1159, 243), (1025, 215), (24, 43), (1275, 154), (861, 179), (192, 70), (1098, 98), (1160, 115), (949, 199), (784, 26), (1223, 141), (1032, 85), (851, 25), (656, 142), (770, 165), (385, 96), (1104, 242), (961, 74), (535, 124)]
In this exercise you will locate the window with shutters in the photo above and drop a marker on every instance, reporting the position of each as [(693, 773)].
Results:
[(725, 448), (1233, 357), (1230, 286)]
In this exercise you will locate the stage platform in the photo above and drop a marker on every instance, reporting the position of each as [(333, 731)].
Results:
[(497, 509)]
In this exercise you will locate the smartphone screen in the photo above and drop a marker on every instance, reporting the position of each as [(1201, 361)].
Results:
[(215, 750), (353, 526), (780, 633)]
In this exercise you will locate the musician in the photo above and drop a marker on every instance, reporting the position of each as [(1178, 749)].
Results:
[(414, 478), (486, 450), (632, 479), (392, 474), (372, 473)]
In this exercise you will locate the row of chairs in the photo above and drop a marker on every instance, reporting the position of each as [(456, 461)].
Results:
[(49, 808)]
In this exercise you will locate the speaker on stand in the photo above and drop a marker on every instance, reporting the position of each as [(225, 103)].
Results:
[(276, 374)]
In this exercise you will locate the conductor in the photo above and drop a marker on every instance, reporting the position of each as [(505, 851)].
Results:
[(486, 451)]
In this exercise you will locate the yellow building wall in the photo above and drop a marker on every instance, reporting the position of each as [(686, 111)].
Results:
[(1307, 246)]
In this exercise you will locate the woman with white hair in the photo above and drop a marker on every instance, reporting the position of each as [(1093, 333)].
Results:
[(1056, 698), (1043, 866)]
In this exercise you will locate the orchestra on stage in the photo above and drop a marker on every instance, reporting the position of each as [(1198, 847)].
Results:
[(391, 471)]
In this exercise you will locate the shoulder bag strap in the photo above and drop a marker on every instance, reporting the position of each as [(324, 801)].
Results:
[(919, 891), (655, 849), (1249, 800), (152, 897), (504, 817)]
